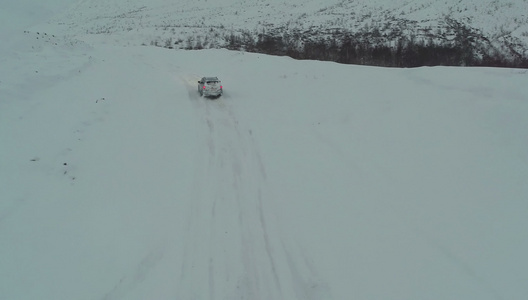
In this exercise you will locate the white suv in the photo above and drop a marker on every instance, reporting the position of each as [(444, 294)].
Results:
[(210, 86)]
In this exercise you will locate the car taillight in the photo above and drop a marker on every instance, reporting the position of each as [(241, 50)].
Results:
[(204, 87), (221, 87)]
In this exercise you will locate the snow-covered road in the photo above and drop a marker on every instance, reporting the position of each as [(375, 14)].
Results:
[(234, 247)]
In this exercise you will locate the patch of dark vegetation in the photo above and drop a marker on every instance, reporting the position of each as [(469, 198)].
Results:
[(463, 48), (402, 45)]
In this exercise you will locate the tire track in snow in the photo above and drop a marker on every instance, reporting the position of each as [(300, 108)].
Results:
[(127, 284), (234, 249), (227, 179)]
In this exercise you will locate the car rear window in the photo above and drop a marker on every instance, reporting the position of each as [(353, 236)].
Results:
[(212, 82)]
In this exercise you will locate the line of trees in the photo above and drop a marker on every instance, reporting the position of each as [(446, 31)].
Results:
[(465, 48), (455, 45), (359, 49)]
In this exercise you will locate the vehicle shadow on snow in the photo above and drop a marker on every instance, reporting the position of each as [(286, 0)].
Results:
[(210, 97)]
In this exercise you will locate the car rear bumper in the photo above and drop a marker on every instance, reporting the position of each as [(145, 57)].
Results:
[(212, 93)]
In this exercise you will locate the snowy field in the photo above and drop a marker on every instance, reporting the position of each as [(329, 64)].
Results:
[(306, 180)]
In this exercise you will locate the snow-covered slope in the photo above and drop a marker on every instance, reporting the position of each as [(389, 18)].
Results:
[(306, 180), (190, 24)]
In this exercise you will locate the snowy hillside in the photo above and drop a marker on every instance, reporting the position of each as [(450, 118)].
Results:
[(305, 180), (493, 28)]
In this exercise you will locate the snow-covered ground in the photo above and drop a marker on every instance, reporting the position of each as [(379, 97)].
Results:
[(306, 180)]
